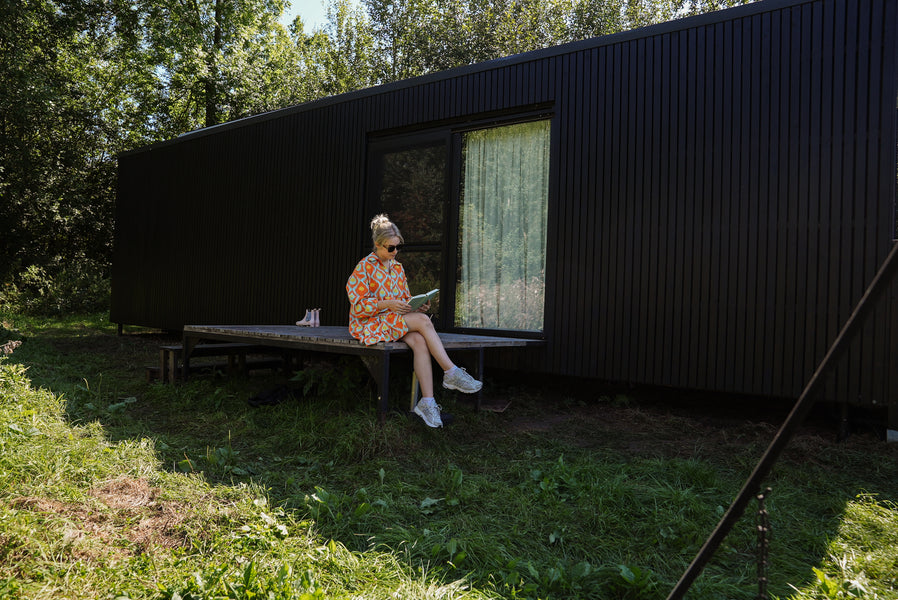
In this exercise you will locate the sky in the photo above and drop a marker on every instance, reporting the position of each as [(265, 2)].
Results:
[(311, 11)]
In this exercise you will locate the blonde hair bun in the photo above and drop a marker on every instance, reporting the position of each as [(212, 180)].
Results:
[(383, 228), (380, 221)]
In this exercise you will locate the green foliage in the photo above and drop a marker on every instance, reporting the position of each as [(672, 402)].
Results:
[(58, 129), (58, 288), (414, 37), (837, 588), (337, 513), (84, 81), (346, 51), (218, 61), (344, 377), (862, 557), (246, 584)]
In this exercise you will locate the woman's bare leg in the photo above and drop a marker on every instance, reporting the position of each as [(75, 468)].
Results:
[(421, 362), (421, 324)]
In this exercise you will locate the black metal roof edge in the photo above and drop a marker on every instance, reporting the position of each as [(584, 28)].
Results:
[(737, 12)]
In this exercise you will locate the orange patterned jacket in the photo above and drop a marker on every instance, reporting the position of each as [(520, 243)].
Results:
[(371, 281)]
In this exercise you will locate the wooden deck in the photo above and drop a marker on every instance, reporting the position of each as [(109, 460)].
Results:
[(337, 340)]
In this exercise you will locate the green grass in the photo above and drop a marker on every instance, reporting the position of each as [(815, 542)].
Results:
[(112, 487)]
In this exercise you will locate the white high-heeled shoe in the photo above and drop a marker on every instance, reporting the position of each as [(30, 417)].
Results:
[(306, 320)]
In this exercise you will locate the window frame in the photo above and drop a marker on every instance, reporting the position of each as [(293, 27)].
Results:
[(451, 134)]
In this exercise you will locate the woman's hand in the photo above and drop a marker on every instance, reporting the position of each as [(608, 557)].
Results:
[(397, 306), (424, 307)]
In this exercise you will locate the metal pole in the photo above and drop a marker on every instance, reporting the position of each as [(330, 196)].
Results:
[(801, 409)]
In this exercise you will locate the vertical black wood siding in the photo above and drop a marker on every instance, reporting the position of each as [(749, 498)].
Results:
[(723, 190)]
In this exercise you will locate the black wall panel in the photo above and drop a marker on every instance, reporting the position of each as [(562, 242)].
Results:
[(723, 190)]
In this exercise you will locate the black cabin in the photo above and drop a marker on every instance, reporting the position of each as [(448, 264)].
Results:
[(698, 204)]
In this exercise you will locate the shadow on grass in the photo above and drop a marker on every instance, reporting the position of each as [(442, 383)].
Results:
[(578, 486)]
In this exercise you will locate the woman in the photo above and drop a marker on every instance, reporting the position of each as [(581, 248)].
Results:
[(379, 312)]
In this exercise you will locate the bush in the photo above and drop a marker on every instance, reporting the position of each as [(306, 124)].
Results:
[(61, 287)]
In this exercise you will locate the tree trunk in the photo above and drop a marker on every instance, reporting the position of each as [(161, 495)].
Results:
[(212, 63)]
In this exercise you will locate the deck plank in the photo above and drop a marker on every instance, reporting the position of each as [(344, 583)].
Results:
[(327, 336)]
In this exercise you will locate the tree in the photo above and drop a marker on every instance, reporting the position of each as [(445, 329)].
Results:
[(592, 18), (87, 79), (348, 54), (212, 57), (414, 37), (403, 33), (62, 117)]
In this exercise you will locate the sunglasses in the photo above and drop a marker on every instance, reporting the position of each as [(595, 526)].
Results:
[(393, 248)]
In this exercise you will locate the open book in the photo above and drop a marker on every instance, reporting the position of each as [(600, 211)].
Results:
[(421, 299)]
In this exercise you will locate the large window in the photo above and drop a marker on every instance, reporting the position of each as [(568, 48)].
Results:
[(472, 208), (502, 228)]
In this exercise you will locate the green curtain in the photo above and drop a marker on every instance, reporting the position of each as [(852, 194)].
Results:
[(502, 242)]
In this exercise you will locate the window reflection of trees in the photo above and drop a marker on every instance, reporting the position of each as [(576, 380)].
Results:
[(414, 192)]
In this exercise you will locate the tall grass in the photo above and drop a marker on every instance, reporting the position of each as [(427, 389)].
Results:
[(114, 487)]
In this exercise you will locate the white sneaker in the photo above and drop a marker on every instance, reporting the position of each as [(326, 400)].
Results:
[(461, 381), (429, 411)]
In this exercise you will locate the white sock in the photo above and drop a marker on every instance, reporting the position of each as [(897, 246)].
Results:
[(425, 402), (450, 371)]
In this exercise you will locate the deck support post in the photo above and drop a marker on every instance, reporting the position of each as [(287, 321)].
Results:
[(379, 368)]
